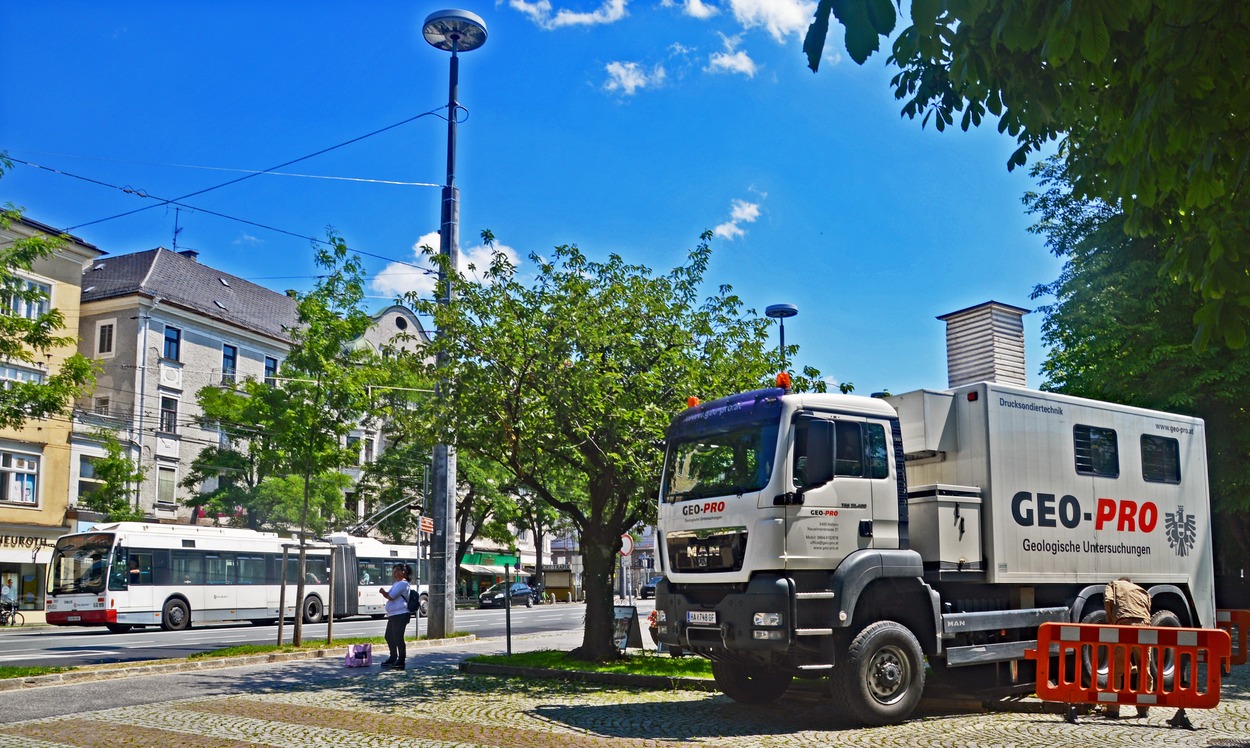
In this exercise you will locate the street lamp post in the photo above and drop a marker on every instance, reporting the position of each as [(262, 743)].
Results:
[(452, 31), (780, 312)]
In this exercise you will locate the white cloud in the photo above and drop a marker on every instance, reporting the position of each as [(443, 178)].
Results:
[(693, 8), (732, 60), (780, 17), (542, 13), (630, 77), (249, 240), (397, 278), (740, 212)]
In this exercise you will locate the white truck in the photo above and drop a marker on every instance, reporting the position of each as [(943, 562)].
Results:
[(863, 539)]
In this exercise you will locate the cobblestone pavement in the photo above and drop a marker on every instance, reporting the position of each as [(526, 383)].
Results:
[(435, 705)]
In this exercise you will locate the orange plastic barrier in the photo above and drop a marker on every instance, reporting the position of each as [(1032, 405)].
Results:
[(1237, 624), (1081, 663)]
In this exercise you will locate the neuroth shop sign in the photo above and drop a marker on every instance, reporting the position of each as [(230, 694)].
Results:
[(27, 544)]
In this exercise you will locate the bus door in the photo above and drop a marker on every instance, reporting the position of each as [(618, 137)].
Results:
[(220, 590), (139, 596), (252, 596)]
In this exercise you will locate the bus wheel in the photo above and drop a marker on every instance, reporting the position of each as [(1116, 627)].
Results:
[(750, 684), (424, 610), (176, 616), (313, 609), (882, 676), (117, 628)]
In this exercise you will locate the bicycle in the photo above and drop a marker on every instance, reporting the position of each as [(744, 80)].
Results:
[(10, 615)]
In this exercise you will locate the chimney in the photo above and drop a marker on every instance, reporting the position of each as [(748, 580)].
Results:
[(190, 254), (985, 343)]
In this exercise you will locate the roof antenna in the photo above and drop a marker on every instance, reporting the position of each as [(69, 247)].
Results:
[(177, 229)]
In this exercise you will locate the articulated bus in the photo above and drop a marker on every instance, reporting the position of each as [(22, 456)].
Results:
[(374, 560), (128, 574)]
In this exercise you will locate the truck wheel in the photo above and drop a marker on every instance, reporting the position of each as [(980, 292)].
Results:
[(881, 678), (1089, 668), (750, 684), (1166, 669), (175, 616)]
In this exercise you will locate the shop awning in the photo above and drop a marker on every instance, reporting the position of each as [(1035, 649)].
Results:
[(496, 571)]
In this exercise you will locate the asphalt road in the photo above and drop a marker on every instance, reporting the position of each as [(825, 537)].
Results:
[(62, 646)]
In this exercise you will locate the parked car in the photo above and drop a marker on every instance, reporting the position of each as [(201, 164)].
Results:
[(648, 588), (493, 597)]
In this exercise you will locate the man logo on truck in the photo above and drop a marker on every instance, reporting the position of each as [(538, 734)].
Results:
[(1181, 531)]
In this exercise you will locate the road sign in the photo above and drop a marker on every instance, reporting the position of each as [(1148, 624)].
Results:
[(627, 544), (427, 524)]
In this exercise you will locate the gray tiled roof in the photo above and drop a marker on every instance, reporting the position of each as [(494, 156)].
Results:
[(183, 281)]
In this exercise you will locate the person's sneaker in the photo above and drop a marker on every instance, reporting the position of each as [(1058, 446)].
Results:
[(1182, 721), (1069, 714), (386, 663)]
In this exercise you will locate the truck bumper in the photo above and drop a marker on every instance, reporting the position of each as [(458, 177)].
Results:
[(756, 620)]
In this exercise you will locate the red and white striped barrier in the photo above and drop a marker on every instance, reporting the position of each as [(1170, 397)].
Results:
[(1237, 624), (1079, 663)]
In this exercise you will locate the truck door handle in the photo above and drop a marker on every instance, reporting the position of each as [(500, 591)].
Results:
[(865, 528)]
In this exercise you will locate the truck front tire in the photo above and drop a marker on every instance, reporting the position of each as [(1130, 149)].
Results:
[(750, 684), (881, 678)]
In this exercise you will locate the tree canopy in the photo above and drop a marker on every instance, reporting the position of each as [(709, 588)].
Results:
[(1118, 331), (1149, 98), (569, 382)]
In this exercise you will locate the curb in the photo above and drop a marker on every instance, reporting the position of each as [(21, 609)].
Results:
[(161, 667), (654, 682)]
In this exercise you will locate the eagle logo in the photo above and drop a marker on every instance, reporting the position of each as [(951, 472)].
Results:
[(1181, 530)]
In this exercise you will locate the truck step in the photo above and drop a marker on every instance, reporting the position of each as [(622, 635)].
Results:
[(813, 632), (813, 595)]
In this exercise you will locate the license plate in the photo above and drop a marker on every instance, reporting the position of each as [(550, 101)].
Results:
[(701, 616), (71, 619)]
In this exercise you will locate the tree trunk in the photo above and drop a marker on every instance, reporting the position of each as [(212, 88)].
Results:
[(599, 555)]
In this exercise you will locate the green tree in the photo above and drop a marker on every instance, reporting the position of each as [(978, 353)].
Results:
[(119, 478), (30, 338), (485, 503), (1118, 331), (571, 380), (1148, 97)]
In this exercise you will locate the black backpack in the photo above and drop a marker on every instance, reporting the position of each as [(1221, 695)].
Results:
[(414, 599)]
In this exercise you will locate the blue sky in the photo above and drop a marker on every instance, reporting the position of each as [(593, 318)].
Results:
[(621, 126)]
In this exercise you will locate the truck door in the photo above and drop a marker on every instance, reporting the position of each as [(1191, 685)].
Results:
[(830, 497)]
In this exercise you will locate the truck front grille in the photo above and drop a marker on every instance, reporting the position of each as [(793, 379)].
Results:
[(708, 550)]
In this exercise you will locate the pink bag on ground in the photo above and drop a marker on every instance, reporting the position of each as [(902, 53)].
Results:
[(359, 655)]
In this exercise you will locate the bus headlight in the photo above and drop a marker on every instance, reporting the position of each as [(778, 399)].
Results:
[(766, 619)]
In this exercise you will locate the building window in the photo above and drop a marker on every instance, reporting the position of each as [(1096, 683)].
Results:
[(166, 481), (368, 451), (31, 302), (1160, 459), (173, 343), (19, 476), (271, 370), (11, 375), (169, 415), (353, 446), (88, 482), (229, 363), (104, 339), (1097, 452), (102, 406)]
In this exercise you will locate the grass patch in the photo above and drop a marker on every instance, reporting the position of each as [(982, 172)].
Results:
[(21, 671), (633, 663)]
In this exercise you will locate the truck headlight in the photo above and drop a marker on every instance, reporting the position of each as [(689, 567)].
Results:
[(766, 619)]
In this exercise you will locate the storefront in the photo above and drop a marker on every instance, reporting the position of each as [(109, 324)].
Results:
[(25, 551), (480, 570)]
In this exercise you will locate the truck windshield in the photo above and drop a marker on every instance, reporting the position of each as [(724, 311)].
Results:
[(80, 563), (720, 463)]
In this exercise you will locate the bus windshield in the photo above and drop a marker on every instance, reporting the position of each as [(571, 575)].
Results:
[(721, 463), (80, 563)]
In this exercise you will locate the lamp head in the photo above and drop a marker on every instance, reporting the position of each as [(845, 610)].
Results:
[(454, 30)]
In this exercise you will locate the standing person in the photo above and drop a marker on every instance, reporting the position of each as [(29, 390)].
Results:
[(397, 615), (1128, 604)]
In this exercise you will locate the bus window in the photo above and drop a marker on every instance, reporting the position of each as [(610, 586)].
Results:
[(119, 573), (187, 567), (251, 570), (139, 568), (219, 568)]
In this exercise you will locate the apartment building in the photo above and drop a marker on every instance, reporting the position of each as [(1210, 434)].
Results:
[(35, 459)]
